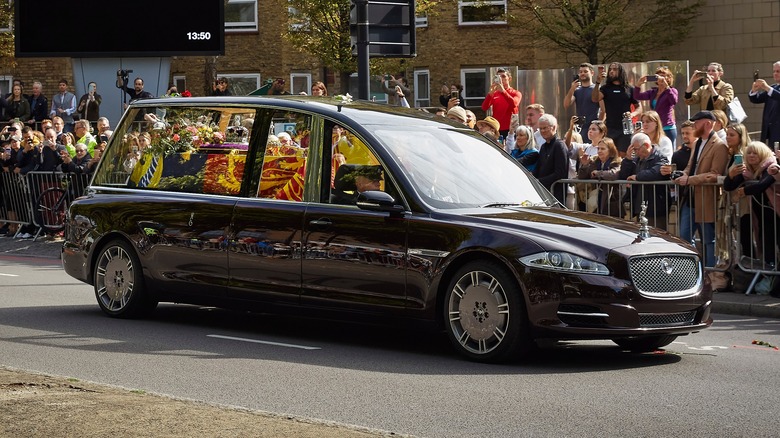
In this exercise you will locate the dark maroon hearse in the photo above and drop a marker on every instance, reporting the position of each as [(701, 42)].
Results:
[(359, 209)]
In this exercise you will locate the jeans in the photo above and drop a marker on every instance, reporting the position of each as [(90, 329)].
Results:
[(706, 232)]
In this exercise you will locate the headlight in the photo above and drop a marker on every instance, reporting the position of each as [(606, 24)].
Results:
[(564, 262)]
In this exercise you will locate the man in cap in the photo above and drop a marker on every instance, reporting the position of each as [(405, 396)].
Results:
[(709, 159)]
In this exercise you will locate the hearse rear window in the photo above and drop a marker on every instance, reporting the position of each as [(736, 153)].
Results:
[(196, 150)]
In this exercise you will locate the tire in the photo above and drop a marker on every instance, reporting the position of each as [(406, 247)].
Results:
[(119, 283), (485, 317), (52, 208), (644, 344)]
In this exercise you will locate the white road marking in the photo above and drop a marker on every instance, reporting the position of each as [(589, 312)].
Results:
[(8, 275), (257, 341)]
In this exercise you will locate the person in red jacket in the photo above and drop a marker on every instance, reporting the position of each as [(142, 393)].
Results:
[(503, 98)]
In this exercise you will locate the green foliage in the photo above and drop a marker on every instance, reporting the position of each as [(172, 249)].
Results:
[(7, 38), (609, 30), (321, 28)]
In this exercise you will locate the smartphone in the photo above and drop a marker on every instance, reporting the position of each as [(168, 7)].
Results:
[(102, 138), (638, 126), (755, 75), (497, 79), (12, 128), (737, 159), (652, 78)]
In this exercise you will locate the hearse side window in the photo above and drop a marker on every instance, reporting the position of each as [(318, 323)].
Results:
[(283, 164), (180, 149), (354, 168)]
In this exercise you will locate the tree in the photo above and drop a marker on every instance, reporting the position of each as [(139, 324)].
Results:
[(7, 48), (321, 28), (606, 30)]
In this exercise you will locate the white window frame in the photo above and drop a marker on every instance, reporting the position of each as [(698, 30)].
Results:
[(6, 82), (306, 76), (243, 26), (420, 84), (478, 3)]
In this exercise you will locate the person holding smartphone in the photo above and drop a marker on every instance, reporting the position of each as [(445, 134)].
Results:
[(713, 93), (580, 93), (769, 95), (453, 97), (503, 100), (662, 97), (89, 104)]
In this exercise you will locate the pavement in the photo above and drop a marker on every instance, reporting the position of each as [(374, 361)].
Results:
[(730, 303)]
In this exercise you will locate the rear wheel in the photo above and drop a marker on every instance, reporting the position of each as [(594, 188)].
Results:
[(643, 344), (52, 207), (485, 316), (119, 285)]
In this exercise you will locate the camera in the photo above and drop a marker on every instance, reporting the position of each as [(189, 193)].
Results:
[(579, 120), (638, 126), (652, 78), (102, 138), (676, 174), (123, 73)]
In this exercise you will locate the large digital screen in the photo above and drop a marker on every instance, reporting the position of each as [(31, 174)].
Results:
[(136, 28)]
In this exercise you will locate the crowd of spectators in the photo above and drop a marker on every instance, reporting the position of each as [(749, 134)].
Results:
[(703, 157), (703, 162)]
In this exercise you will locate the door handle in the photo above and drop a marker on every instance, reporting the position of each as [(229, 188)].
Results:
[(321, 223)]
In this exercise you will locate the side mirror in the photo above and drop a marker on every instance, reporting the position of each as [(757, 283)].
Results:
[(377, 200)]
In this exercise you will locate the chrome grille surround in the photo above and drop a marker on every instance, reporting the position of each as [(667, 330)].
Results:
[(667, 319), (666, 276)]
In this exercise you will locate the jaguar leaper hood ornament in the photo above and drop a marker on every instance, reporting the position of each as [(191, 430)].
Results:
[(644, 230)]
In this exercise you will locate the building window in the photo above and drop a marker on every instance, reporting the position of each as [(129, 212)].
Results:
[(180, 82), (5, 84), (475, 85), (482, 12), (422, 88), (242, 84), (241, 16), (300, 82)]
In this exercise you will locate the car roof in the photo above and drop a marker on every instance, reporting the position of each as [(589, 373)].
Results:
[(362, 112)]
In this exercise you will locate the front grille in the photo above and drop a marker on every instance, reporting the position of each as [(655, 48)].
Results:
[(670, 276), (666, 319)]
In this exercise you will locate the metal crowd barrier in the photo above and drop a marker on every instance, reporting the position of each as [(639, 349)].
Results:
[(744, 237), (19, 194)]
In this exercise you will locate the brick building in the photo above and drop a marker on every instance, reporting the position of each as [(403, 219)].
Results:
[(459, 43)]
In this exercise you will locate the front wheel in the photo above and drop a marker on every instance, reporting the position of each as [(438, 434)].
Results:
[(119, 284), (644, 344), (485, 315)]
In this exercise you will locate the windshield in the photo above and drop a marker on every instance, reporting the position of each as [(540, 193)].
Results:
[(455, 169)]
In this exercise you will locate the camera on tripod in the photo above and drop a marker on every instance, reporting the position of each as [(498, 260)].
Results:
[(124, 74)]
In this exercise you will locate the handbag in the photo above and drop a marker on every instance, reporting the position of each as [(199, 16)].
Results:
[(735, 111)]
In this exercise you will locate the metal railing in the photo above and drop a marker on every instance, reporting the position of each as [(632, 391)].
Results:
[(24, 198), (734, 232)]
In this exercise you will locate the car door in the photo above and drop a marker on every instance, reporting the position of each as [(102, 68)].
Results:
[(265, 235), (352, 258)]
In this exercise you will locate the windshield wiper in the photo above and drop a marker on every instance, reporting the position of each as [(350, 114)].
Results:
[(499, 204)]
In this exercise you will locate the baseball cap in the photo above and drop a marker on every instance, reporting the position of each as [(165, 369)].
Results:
[(16, 138), (703, 115)]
